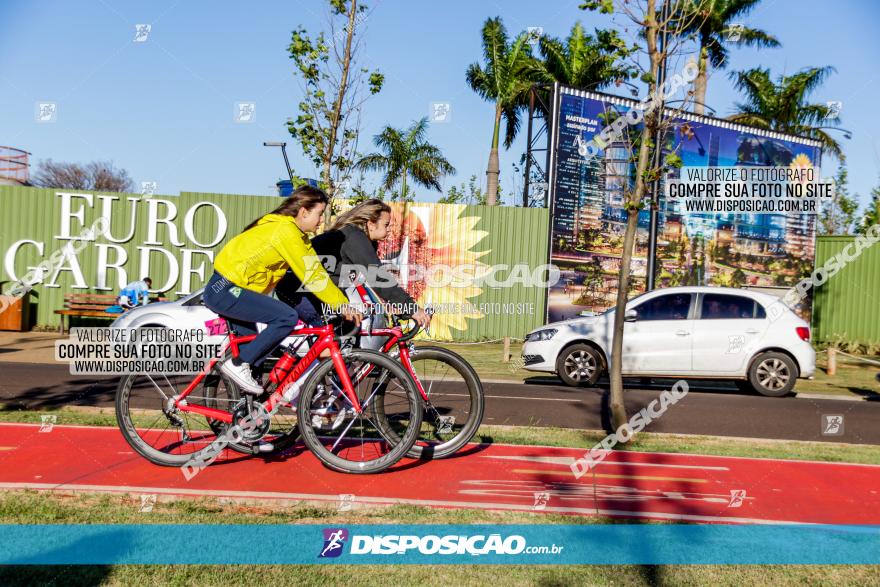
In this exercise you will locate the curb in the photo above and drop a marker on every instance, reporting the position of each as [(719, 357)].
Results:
[(840, 398)]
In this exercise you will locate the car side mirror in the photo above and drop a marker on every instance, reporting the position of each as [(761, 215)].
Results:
[(630, 316)]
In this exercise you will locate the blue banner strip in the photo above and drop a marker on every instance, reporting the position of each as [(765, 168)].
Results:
[(439, 544)]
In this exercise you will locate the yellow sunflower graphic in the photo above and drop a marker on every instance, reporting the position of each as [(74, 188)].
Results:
[(437, 239)]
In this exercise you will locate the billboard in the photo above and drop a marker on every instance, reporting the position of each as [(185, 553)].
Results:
[(588, 218)]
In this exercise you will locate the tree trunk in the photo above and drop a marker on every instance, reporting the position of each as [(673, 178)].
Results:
[(700, 81), (618, 409), (649, 129), (337, 111), (493, 168)]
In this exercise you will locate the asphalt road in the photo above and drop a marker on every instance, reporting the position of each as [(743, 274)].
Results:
[(712, 409)]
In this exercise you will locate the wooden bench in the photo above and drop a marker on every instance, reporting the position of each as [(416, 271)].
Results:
[(91, 306)]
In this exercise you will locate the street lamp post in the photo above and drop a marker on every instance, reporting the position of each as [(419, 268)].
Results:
[(283, 152), (658, 158)]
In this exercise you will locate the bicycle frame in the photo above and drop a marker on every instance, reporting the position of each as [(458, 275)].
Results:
[(394, 334), (325, 340)]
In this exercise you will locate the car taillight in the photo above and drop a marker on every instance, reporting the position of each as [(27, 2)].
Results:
[(804, 333)]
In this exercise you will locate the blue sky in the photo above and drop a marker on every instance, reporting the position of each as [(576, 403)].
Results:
[(163, 109)]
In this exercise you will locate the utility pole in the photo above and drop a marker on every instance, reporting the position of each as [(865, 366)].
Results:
[(528, 149)]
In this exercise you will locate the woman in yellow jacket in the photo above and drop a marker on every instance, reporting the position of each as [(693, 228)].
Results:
[(252, 263)]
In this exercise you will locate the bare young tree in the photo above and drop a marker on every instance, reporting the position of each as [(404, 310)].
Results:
[(95, 176), (335, 87), (654, 57)]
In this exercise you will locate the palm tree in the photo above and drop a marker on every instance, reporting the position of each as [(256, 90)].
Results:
[(407, 153), (582, 60), (782, 106), (504, 79), (716, 29)]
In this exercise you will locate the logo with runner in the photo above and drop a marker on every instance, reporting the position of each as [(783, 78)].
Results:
[(334, 541), (832, 425), (737, 496), (542, 498)]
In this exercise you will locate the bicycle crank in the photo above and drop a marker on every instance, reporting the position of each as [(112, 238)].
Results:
[(253, 422)]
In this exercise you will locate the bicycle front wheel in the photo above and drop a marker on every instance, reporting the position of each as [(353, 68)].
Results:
[(454, 406), (352, 442)]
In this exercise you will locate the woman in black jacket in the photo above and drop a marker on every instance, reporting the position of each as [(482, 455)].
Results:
[(352, 241)]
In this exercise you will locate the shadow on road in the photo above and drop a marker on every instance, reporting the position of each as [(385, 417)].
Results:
[(71, 391), (658, 383)]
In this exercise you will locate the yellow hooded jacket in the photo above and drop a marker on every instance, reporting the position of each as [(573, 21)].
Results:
[(258, 258)]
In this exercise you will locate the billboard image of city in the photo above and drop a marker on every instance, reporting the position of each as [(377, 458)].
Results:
[(723, 249)]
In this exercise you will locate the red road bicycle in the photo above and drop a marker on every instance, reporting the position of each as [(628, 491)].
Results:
[(356, 424), (450, 388)]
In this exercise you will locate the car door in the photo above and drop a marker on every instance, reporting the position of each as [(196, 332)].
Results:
[(659, 341), (727, 326)]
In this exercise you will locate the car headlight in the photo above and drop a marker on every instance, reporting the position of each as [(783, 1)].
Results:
[(545, 334)]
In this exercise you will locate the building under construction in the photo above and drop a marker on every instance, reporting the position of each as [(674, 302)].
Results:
[(14, 166)]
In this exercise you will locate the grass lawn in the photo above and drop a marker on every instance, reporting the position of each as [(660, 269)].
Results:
[(851, 380), (21, 507), (486, 359)]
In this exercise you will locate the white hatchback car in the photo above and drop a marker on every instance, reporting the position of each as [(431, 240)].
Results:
[(697, 332)]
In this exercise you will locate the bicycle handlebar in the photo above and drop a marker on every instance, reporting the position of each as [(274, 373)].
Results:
[(375, 310), (341, 327)]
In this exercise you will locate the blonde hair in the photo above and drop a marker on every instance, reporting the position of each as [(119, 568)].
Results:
[(368, 211)]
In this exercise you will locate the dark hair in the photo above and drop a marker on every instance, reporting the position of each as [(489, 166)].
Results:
[(305, 196), (148, 280)]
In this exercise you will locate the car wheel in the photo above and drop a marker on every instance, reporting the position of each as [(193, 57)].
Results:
[(773, 374), (579, 364)]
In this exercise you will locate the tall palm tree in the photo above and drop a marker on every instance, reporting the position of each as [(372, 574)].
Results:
[(584, 61), (716, 28), (406, 153), (782, 106), (505, 80)]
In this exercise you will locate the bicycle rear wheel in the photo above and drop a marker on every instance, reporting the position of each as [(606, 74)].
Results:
[(358, 443), (454, 410), (157, 430)]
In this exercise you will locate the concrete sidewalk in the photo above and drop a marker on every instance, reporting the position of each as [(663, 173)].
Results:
[(28, 347)]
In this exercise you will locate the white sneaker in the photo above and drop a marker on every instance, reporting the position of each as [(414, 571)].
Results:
[(241, 376), (264, 446)]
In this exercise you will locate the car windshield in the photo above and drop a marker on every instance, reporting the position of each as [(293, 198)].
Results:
[(628, 302)]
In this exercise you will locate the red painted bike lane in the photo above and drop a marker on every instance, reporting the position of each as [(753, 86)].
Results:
[(659, 486)]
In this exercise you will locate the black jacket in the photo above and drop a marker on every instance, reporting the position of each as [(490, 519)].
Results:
[(347, 246)]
